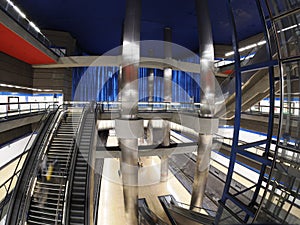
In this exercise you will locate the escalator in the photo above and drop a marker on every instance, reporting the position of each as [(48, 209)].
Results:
[(59, 187), (255, 84), (146, 216), (46, 206), (182, 216), (79, 191), (22, 191)]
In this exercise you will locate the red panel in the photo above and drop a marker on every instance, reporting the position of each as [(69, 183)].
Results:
[(228, 72), (15, 46)]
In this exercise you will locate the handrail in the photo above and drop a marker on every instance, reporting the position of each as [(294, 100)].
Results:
[(34, 170), (66, 212), (88, 200), (97, 193), (19, 111), (38, 131)]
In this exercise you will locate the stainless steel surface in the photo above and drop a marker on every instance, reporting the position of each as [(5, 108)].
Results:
[(207, 81), (164, 166), (201, 170), (129, 103), (150, 85), (129, 170), (168, 70)]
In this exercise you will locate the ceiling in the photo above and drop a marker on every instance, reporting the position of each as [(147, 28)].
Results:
[(97, 24)]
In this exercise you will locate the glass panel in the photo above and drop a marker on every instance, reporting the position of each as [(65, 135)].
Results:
[(290, 131), (228, 217), (282, 200), (279, 7), (288, 30)]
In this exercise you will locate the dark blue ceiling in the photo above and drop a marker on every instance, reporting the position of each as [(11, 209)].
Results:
[(97, 24)]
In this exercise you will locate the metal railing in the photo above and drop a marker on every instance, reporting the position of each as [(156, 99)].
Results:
[(106, 106), (9, 185), (17, 109)]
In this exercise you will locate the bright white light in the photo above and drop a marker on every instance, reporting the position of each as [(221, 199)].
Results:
[(16, 8), (247, 47), (10, 2), (261, 43), (288, 28), (34, 27), (229, 53), (28, 88)]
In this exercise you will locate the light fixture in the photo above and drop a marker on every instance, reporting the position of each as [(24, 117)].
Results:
[(247, 47), (34, 27), (28, 88), (16, 8)]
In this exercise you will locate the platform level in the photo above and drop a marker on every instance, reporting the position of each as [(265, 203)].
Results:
[(111, 196)]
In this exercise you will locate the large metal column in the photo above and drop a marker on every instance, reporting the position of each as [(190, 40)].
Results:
[(128, 127), (164, 163), (151, 86), (168, 70), (207, 82)]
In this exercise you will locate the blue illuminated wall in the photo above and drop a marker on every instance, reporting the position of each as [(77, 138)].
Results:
[(101, 84)]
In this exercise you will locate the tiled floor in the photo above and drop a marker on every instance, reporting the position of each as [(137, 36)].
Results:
[(111, 205)]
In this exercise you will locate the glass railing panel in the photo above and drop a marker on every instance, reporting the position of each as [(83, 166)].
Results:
[(288, 31), (290, 129), (280, 7)]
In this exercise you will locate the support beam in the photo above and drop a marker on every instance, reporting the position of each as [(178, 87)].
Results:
[(207, 82), (128, 141)]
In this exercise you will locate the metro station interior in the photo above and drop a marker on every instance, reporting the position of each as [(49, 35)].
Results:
[(149, 112)]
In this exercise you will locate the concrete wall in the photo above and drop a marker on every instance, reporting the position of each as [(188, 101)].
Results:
[(14, 71), (12, 134), (55, 79), (61, 39)]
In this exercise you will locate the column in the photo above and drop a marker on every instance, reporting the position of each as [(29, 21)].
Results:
[(150, 85), (128, 127), (207, 82), (164, 166), (168, 70)]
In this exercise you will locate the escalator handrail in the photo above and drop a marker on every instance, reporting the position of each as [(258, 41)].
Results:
[(97, 193), (68, 193), (89, 167), (42, 149), (41, 129)]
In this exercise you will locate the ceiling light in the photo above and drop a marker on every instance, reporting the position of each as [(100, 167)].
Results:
[(229, 53), (247, 47), (34, 27), (288, 28), (16, 8), (10, 2)]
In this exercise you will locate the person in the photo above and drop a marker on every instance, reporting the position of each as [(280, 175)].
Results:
[(43, 169)]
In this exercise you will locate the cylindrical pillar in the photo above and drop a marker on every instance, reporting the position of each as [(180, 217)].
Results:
[(129, 109), (129, 169), (201, 170), (164, 166), (150, 85), (207, 83), (167, 70)]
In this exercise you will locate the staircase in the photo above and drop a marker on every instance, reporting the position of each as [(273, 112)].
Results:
[(46, 206), (78, 201)]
